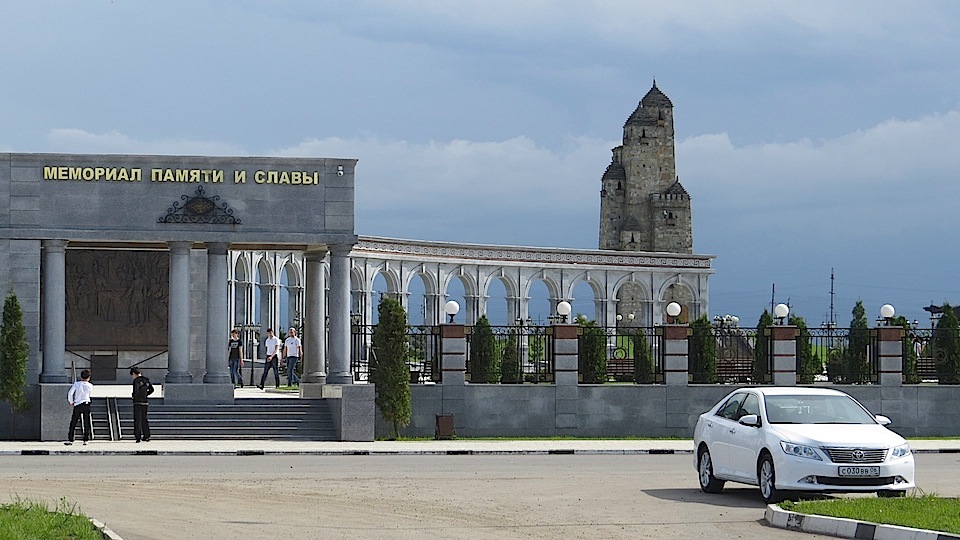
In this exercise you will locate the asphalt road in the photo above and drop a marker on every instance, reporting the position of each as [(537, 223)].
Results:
[(407, 497)]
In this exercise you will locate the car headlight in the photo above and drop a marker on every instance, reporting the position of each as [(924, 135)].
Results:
[(800, 450), (901, 451)]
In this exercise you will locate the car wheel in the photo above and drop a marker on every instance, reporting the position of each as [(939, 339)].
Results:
[(708, 482), (767, 480), (890, 493)]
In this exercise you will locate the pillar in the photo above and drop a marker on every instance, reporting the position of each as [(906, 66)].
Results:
[(566, 371), (315, 325), (890, 355), (453, 368), (54, 312), (784, 347), (676, 354), (339, 333), (178, 314), (218, 316)]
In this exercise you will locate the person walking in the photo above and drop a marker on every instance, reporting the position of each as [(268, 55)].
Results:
[(235, 359), (272, 345), (79, 398), (141, 389), (293, 351)]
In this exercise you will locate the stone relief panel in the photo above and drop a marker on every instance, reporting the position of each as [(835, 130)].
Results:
[(117, 299)]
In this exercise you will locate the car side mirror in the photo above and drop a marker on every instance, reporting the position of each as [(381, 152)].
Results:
[(882, 420), (751, 420)]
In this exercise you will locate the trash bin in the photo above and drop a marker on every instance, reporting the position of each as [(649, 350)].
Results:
[(445, 429)]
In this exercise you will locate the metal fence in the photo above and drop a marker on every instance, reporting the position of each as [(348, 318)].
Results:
[(525, 354), (631, 354), (521, 354), (423, 353)]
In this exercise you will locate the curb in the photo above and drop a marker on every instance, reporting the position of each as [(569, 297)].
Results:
[(107, 533), (255, 452), (847, 528)]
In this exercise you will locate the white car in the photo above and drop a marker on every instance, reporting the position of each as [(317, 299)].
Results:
[(785, 439)]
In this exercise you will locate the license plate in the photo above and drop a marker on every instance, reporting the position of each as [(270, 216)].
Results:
[(859, 471)]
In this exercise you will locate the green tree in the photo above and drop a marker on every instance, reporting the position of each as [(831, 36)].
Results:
[(642, 358), (14, 352), (703, 351), (510, 358), (761, 349), (536, 342), (592, 352), (388, 367), (483, 358), (856, 363), (808, 365), (946, 347)]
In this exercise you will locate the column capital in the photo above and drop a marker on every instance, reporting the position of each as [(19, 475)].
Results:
[(340, 250), (217, 248), (54, 245), (315, 256), (180, 246)]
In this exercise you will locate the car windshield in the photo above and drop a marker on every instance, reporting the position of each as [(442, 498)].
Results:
[(814, 409)]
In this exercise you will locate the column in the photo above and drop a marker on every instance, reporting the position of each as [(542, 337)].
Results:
[(218, 316), (784, 346), (566, 348), (315, 325), (339, 360), (890, 355), (178, 314), (676, 354), (54, 312), (453, 369)]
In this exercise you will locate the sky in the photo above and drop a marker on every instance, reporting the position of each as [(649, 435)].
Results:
[(812, 137)]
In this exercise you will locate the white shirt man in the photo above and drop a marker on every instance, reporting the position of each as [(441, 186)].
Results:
[(293, 351), (272, 345), (79, 398)]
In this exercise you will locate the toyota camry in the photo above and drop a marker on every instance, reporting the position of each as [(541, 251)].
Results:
[(785, 439)]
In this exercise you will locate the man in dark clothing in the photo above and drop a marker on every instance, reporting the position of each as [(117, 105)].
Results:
[(141, 389)]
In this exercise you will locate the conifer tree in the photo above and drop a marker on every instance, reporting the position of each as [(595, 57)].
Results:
[(856, 363), (703, 351), (808, 365), (642, 359), (388, 368), (946, 342), (14, 352), (592, 352), (483, 367), (761, 349), (510, 358)]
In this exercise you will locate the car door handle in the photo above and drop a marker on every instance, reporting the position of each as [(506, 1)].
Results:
[(733, 430)]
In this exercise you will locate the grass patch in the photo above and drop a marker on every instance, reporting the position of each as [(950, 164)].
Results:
[(921, 512), (31, 519)]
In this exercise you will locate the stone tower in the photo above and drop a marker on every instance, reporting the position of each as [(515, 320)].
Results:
[(643, 207)]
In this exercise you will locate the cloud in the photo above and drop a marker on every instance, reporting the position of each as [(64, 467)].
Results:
[(113, 142), (900, 172), (511, 192)]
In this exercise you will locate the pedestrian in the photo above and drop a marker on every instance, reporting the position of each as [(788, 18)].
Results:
[(79, 398), (141, 389), (235, 359), (294, 349), (272, 345)]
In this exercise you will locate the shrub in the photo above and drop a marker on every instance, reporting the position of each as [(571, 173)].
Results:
[(388, 367), (483, 368), (703, 351), (642, 359), (510, 359), (761, 349), (856, 363), (946, 342), (592, 352), (14, 352)]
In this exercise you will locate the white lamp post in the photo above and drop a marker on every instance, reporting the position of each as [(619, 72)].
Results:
[(563, 310), (780, 312), (673, 310), (451, 308), (886, 313)]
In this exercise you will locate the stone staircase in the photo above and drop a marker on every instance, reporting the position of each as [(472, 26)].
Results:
[(275, 419)]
